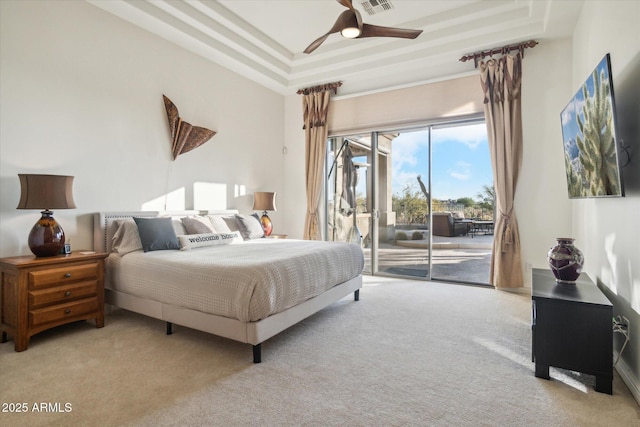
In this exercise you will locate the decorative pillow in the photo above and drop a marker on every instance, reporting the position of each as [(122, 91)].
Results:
[(126, 238), (157, 234), (178, 227), (250, 226), (224, 223), (197, 225), (209, 239)]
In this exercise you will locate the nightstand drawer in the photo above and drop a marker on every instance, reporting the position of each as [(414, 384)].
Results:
[(60, 276), (62, 293), (62, 311)]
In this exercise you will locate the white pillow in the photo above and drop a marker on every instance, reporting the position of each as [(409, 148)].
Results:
[(126, 238), (250, 226), (191, 241), (224, 223), (197, 225)]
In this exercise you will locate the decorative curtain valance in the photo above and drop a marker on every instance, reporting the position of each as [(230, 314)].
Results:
[(501, 80), (315, 105)]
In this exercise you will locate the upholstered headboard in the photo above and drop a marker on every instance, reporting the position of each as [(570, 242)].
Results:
[(104, 223)]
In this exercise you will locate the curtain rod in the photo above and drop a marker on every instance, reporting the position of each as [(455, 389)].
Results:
[(320, 88), (503, 50)]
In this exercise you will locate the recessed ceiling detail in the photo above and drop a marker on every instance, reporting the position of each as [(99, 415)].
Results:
[(264, 40)]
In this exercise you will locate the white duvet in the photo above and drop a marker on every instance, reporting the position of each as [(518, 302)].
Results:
[(247, 281)]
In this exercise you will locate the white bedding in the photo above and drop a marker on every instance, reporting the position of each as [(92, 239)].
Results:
[(247, 281)]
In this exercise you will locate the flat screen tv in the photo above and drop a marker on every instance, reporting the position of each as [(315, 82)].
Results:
[(589, 129)]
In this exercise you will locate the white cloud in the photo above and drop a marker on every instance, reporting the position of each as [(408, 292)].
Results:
[(462, 171), (402, 179), (405, 149), (472, 135), (569, 113)]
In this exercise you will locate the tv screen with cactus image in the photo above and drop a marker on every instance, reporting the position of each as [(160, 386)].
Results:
[(589, 133)]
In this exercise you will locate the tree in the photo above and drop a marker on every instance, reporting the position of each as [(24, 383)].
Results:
[(466, 201), (411, 205), (487, 198)]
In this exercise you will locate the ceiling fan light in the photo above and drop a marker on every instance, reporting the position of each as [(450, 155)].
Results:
[(350, 32)]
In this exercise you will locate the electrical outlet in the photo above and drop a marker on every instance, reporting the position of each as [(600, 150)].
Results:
[(529, 266)]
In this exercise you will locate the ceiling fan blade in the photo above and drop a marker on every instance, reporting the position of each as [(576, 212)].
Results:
[(316, 43), (377, 31), (358, 19), (346, 3), (343, 21)]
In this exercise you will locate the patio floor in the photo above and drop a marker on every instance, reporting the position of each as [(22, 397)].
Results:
[(462, 259)]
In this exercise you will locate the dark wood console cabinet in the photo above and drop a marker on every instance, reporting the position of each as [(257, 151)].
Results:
[(572, 328)]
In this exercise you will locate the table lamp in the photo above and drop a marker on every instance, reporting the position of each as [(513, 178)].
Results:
[(263, 201), (46, 192)]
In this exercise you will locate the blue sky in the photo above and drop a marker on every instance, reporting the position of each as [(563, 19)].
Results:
[(461, 162)]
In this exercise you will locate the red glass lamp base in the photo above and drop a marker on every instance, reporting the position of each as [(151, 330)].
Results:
[(46, 237)]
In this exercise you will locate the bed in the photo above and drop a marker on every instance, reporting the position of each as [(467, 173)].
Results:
[(232, 283)]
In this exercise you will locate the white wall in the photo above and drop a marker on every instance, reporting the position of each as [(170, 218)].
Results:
[(542, 206), (81, 94), (607, 230), (294, 171)]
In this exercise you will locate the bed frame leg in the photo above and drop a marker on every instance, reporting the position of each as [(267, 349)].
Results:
[(169, 328), (356, 295), (257, 353)]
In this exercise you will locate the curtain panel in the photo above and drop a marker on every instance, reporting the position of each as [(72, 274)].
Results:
[(501, 82), (315, 105)]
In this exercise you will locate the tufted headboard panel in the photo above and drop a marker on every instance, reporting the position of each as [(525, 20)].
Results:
[(104, 223)]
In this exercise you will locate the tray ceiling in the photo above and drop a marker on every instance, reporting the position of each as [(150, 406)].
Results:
[(263, 40)]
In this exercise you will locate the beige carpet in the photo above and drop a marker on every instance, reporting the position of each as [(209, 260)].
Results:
[(409, 353)]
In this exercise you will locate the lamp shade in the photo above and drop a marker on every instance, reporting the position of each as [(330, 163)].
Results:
[(46, 192), (263, 201)]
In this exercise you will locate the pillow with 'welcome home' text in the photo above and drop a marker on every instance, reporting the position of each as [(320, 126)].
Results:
[(192, 241)]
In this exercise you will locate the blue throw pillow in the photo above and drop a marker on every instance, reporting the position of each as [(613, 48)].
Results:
[(157, 234)]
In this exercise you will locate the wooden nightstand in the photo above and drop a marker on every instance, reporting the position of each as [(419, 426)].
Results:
[(40, 293), (277, 236)]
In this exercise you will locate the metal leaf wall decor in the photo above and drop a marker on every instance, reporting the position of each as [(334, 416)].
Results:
[(185, 137)]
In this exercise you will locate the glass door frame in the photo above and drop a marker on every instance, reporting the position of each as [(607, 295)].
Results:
[(373, 188)]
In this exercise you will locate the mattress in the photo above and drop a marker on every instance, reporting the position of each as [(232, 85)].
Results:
[(247, 281)]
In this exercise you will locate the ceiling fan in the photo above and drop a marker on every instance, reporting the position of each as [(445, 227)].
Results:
[(349, 24)]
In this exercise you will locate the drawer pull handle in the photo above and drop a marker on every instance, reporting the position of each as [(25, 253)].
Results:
[(67, 294), (67, 311), (67, 275)]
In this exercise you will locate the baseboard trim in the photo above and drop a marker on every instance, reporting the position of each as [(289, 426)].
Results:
[(627, 377)]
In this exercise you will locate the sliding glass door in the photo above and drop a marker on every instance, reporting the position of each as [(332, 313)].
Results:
[(349, 204), (462, 206), (418, 201), (403, 192)]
